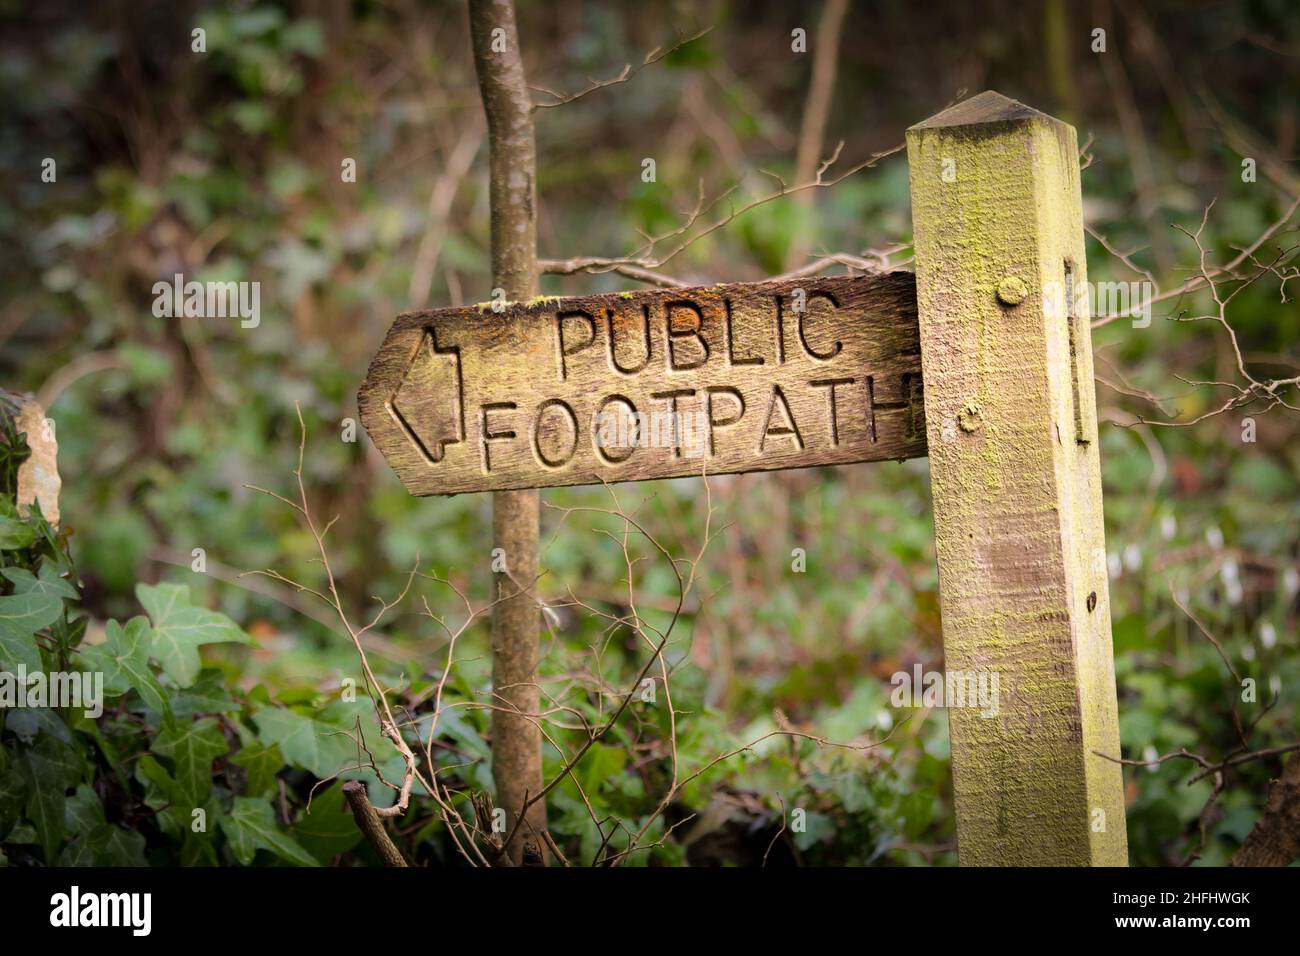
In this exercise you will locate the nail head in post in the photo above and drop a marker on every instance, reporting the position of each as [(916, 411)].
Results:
[(1012, 290)]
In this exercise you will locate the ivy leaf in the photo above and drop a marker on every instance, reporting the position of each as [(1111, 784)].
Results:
[(124, 661), (83, 812), (179, 628), (191, 747), (210, 694), (324, 749), (15, 535), (48, 582), (51, 767), (261, 763), (108, 749), (105, 845), (163, 794), (29, 724), (97, 842), (250, 826), (176, 817), (326, 829), (13, 790), (200, 847), (21, 616), (77, 852), (117, 846)]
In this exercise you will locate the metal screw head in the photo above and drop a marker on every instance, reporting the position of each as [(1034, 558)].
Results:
[(1012, 290)]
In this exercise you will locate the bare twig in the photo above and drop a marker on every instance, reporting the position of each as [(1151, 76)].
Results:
[(627, 73), (646, 260), (369, 823)]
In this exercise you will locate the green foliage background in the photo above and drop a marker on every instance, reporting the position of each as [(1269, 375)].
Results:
[(226, 165)]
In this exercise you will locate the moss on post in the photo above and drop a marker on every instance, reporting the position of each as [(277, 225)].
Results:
[(1011, 425)]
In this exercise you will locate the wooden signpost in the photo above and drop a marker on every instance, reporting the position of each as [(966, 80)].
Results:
[(1016, 481), (664, 384), (821, 371)]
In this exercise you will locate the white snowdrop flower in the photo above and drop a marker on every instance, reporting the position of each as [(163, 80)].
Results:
[(1150, 753), (1214, 536), (1248, 652), (1275, 684), (1114, 565), (1233, 588), (1168, 527), (1132, 557), (1230, 570), (1267, 635), (884, 720), (1291, 581)]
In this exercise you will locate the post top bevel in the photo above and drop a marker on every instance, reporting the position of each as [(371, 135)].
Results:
[(984, 109)]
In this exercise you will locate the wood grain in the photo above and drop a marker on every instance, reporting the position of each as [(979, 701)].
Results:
[(1016, 481), (654, 384)]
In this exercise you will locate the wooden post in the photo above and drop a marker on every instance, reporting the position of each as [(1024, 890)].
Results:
[(1012, 431)]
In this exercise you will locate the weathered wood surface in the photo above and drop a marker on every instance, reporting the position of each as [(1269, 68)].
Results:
[(1011, 420), (38, 476), (730, 378)]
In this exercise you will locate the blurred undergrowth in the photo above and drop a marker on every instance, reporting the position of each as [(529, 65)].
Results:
[(226, 165)]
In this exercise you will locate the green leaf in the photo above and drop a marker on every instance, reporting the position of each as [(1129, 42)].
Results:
[(191, 747), (83, 812), (124, 661), (21, 616), (326, 829), (13, 791), (51, 767), (601, 765), (79, 721), (15, 535), (208, 695), (261, 763), (77, 852), (324, 749), (105, 845), (163, 794), (453, 725), (48, 582), (819, 826), (250, 826), (117, 846), (200, 847), (179, 628), (23, 835), (304, 36), (29, 724)]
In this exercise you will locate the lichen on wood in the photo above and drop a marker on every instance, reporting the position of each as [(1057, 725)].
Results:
[(1016, 483)]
